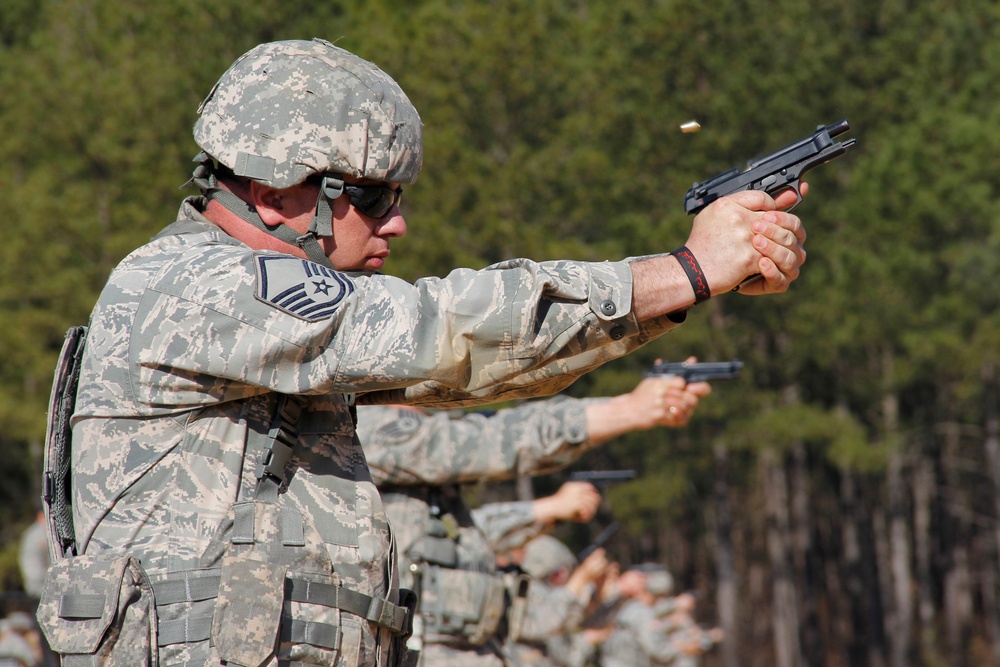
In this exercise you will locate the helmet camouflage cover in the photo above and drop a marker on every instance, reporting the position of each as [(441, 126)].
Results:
[(660, 582), (287, 110), (546, 554)]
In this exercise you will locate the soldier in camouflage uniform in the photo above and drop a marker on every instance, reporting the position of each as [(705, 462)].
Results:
[(222, 505), (418, 459), (560, 595), (656, 628)]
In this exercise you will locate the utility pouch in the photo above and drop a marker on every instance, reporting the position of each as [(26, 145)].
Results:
[(461, 602), (439, 543), (248, 610), (437, 551), (99, 611)]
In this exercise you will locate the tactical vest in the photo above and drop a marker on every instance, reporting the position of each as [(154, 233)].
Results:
[(103, 609), (460, 604)]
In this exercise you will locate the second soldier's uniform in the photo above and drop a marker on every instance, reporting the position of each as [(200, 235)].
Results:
[(417, 459)]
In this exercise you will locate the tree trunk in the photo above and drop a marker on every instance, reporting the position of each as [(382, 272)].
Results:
[(867, 642), (725, 561), (901, 630), (991, 446), (788, 652), (806, 565), (986, 560), (923, 499), (958, 605), (900, 621), (955, 537)]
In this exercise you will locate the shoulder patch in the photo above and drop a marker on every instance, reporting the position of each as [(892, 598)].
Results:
[(300, 287), (400, 429)]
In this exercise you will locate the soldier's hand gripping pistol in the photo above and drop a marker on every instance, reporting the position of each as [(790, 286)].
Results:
[(774, 173)]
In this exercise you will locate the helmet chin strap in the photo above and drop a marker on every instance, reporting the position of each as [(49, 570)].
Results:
[(321, 225), (330, 188)]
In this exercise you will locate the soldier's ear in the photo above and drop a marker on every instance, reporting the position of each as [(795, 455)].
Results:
[(269, 203)]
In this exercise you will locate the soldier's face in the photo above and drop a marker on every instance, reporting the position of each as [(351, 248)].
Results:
[(631, 583), (359, 242)]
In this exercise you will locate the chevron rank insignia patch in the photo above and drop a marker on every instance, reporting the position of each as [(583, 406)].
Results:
[(300, 287), (400, 429)]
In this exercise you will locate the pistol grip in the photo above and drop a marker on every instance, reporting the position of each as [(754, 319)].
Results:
[(749, 280)]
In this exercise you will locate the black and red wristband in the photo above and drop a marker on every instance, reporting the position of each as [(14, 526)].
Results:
[(694, 273)]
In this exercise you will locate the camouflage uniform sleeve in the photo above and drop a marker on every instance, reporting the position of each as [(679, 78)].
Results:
[(470, 335), (507, 526), (407, 446), (551, 378), (546, 374)]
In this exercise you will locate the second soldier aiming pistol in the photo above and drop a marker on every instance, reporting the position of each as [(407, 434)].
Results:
[(781, 170), (697, 372)]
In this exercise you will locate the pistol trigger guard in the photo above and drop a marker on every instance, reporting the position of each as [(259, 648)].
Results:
[(798, 200), (794, 187)]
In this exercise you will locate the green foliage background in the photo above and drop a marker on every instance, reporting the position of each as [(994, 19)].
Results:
[(551, 130)]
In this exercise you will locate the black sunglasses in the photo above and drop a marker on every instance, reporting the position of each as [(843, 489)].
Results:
[(375, 201)]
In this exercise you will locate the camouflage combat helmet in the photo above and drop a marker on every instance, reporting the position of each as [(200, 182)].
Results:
[(287, 110), (660, 582), (544, 555)]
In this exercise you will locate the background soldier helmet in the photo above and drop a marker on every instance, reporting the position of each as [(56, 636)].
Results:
[(544, 555), (287, 110), (660, 583)]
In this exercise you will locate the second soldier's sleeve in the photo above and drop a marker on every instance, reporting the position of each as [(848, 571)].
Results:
[(406, 446)]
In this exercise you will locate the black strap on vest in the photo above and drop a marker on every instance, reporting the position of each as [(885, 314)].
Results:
[(281, 439), (57, 492)]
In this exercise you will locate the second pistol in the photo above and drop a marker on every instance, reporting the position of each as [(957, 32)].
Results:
[(697, 372)]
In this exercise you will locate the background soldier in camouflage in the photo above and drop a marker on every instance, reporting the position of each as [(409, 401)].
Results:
[(418, 459), (657, 628), (222, 506), (561, 592)]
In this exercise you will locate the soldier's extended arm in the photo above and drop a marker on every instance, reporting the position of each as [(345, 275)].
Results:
[(510, 525), (406, 446)]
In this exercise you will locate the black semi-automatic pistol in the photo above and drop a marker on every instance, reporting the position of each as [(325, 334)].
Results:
[(697, 372), (781, 170), (602, 479)]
